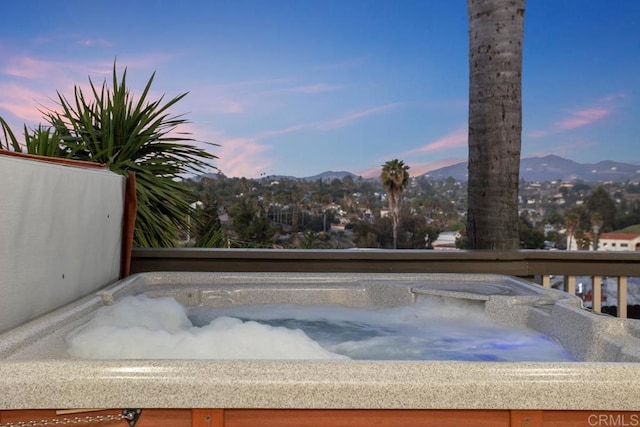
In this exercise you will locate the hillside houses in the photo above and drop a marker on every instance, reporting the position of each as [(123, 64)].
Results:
[(613, 242), (356, 208)]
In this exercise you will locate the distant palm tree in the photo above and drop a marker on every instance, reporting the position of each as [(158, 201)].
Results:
[(395, 179), (571, 222), (596, 226), (495, 122)]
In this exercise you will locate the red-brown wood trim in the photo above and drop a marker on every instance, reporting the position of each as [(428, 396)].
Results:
[(128, 224), (200, 418), (365, 418), (345, 417), (207, 418), (57, 160), (526, 418), (217, 418)]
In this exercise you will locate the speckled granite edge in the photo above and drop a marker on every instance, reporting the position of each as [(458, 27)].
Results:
[(300, 384)]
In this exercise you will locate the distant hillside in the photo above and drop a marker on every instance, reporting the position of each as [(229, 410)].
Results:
[(630, 229), (329, 176), (457, 171), (550, 168), (532, 169)]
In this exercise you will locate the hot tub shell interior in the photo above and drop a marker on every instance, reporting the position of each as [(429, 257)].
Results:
[(608, 347), (507, 300)]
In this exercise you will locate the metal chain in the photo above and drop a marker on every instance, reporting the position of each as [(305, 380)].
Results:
[(128, 415)]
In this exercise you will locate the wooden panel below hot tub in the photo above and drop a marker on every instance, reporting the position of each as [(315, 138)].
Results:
[(333, 418), (364, 417)]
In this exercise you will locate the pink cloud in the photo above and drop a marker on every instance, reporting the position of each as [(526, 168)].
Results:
[(453, 140), (538, 134), (23, 112), (225, 106), (200, 132), (30, 83), (95, 43), (329, 124), (72, 38), (284, 131), (372, 172), (243, 157), (237, 157), (612, 97), (581, 117), (424, 167), (417, 169), (29, 68), (345, 120), (230, 106), (23, 102), (209, 100), (458, 138), (41, 69), (247, 156), (52, 72)]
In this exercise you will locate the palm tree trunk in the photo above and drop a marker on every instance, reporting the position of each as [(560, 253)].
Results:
[(495, 122), (396, 220)]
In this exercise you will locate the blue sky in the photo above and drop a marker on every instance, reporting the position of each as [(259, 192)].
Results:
[(298, 87)]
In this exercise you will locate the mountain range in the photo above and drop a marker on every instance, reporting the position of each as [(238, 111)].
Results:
[(532, 169), (550, 168)]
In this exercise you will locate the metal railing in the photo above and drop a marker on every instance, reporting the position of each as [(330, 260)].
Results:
[(534, 265)]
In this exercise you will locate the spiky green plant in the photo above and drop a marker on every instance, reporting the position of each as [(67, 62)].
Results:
[(42, 140), (111, 127), (10, 141)]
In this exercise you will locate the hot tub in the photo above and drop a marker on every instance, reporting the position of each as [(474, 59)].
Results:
[(37, 371)]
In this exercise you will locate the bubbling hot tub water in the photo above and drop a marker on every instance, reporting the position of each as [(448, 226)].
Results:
[(433, 328)]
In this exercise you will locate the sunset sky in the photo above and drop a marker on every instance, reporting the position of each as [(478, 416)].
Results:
[(298, 87)]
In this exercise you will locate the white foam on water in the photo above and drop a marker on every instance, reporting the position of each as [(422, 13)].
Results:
[(431, 329), (138, 327)]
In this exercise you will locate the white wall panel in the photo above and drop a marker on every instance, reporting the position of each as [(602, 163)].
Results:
[(60, 235)]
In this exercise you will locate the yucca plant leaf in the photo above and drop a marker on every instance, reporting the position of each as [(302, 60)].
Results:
[(140, 136), (109, 126), (10, 140)]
